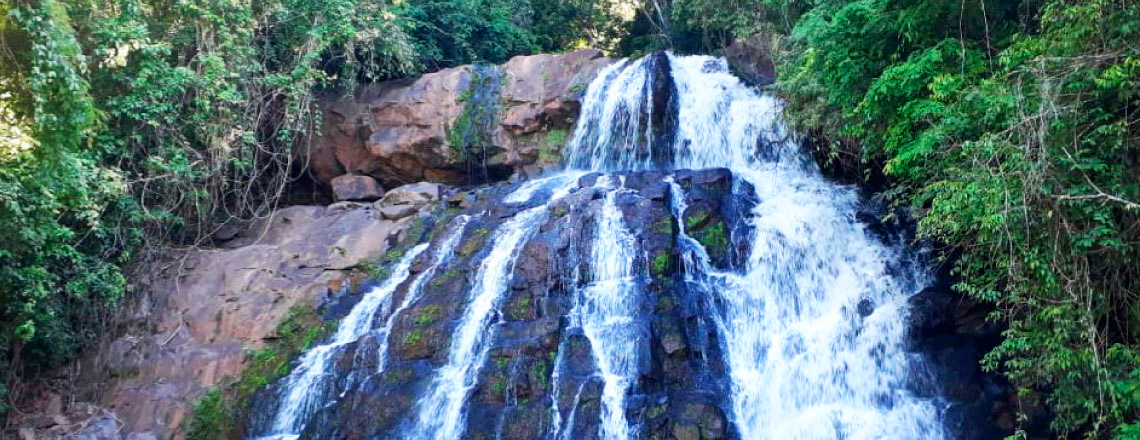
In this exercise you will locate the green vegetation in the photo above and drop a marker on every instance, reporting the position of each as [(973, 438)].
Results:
[(541, 370), (212, 418), (661, 265), (550, 147), (498, 384), (520, 309), (413, 337), (222, 412), (428, 314), (692, 221), (442, 279), (714, 237), (142, 121), (471, 246)]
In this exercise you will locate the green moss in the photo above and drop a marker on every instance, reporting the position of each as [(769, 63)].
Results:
[(550, 147), (541, 371), (373, 270), (471, 246), (473, 130), (519, 309), (697, 217), (559, 211), (498, 384), (664, 226), (221, 412), (428, 314), (655, 411), (413, 337), (502, 362), (212, 418), (398, 375), (661, 264), (714, 238), (446, 276)]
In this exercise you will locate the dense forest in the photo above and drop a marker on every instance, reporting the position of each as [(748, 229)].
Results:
[(1008, 131)]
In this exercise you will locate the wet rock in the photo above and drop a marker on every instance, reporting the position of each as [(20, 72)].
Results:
[(865, 307), (699, 421), (951, 330)]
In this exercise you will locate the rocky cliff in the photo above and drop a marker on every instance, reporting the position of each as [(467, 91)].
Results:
[(457, 125)]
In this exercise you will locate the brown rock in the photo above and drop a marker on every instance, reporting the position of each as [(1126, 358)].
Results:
[(352, 187), (751, 59), (201, 321), (396, 212), (415, 194), (397, 131)]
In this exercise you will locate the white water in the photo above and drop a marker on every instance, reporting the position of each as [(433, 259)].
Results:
[(607, 311), (803, 364), (446, 250), (611, 133), (302, 391), (440, 412)]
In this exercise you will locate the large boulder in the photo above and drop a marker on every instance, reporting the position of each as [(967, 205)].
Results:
[(403, 130), (751, 59), (354, 188)]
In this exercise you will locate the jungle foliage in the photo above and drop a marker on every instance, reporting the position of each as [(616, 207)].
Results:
[(130, 124)]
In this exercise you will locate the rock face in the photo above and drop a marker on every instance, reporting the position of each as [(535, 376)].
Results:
[(200, 311), (679, 387), (411, 130), (751, 59)]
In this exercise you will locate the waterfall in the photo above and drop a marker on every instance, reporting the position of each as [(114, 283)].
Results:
[(303, 390), (799, 335), (310, 380), (803, 361), (440, 410), (607, 312), (446, 249)]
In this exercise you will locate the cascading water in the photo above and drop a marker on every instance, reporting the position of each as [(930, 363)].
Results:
[(607, 311), (802, 360), (303, 391), (309, 382), (440, 410)]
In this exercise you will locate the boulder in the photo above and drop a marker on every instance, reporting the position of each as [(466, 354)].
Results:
[(751, 59), (396, 212), (353, 187), (415, 194), (104, 427)]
